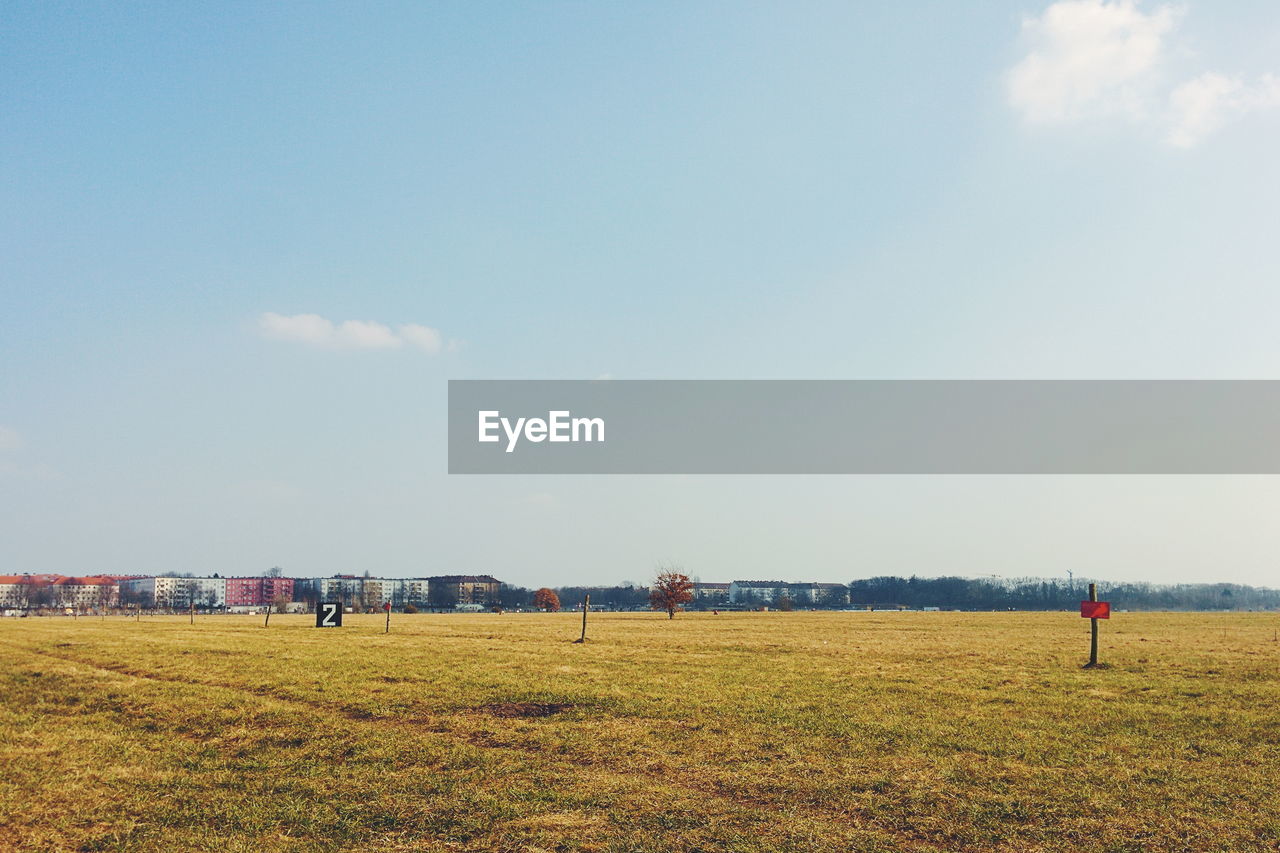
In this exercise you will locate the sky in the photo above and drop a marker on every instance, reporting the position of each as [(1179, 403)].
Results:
[(244, 246)]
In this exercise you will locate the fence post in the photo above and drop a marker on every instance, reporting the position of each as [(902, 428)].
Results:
[(586, 605), (1093, 628)]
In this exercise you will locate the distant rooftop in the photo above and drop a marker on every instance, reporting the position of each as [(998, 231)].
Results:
[(464, 579), (787, 584)]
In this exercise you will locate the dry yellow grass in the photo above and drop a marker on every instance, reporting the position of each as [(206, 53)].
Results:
[(743, 732)]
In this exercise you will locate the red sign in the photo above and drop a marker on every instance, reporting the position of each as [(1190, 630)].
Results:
[(387, 607), (1095, 609)]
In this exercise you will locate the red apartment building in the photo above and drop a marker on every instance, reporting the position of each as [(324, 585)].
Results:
[(257, 592)]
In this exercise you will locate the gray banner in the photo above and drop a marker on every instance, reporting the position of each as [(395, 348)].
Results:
[(864, 427)]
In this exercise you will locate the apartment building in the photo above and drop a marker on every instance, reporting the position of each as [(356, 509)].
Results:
[(463, 589), (710, 593), (174, 593), (359, 591), (764, 592), (86, 593), (259, 591)]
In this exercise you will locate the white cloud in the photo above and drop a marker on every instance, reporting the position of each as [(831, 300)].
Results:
[(1093, 59), (350, 334), (361, 334), (304, 328), (1202, 105), (10, 439), (423, 337), (1088, 58)]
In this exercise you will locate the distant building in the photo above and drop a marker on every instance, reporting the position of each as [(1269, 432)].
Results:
[(417, 591), (174, 593), (27, 591), (749, 592), (379, 591), (765, 592), (345, 588), (463, 589), (829, 593), (711, 593), (360, 592), (258, 592), (86, 593)]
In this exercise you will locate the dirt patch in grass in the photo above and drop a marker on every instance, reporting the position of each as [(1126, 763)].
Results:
[(510, 710)]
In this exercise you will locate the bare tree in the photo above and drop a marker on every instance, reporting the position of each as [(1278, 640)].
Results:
[(26, 593), (102, 598), (443, 597), (64, 596)]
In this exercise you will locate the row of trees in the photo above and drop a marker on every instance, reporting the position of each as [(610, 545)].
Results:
[(914, 592), (670, 591), (1042, 594)]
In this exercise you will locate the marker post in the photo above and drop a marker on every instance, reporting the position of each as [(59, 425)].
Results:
[(586, 605), (1093, 628), (1093, 610)]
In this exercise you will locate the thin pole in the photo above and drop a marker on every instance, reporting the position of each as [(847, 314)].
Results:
[(388, 631), (586, 605), (1093, 628)]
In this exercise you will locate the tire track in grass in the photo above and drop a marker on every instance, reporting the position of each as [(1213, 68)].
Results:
[(791, 815)]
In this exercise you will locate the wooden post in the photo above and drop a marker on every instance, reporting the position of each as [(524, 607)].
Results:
[(192, 608), (586, 605), (268, 622), (1093, 628), (388, 631)]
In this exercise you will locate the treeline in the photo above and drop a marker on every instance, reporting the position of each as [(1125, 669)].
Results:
[(952, 593), (1040, 594), (624, 597)]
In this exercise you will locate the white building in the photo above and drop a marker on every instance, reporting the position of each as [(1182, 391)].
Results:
[(765, 592), (747, 592), (39, 591), (174, 593), (89, 593), (378, 591), (417, 591), (355, 591)]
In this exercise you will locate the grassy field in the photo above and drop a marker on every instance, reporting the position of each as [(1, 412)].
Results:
[(744, 732)]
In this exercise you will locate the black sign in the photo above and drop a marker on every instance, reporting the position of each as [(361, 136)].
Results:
[(329, 614)]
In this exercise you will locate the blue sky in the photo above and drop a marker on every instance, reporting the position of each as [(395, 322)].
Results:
[(927, 190)]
